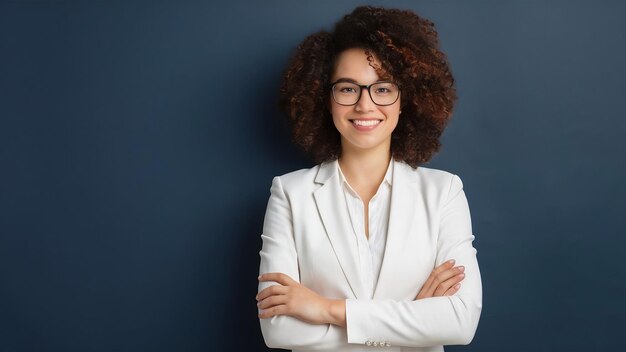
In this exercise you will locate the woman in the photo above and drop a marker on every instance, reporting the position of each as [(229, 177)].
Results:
[(358, 251)]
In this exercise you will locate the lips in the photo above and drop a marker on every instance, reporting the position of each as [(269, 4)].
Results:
[(365, 124)]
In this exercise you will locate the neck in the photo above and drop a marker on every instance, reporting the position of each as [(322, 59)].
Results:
[(365, 166)]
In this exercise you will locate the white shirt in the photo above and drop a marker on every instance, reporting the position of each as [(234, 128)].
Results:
[(370, 250)]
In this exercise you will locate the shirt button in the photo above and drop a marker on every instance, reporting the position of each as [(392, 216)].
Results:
[(368, 343)]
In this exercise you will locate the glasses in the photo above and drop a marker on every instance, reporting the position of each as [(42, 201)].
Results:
[(348, 93)]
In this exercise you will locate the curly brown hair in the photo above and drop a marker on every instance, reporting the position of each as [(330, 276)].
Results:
[(407, 47)]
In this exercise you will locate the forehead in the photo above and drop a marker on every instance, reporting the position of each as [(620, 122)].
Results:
[(354, 64)]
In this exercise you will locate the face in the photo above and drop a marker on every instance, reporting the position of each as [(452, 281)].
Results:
[(365, 125)]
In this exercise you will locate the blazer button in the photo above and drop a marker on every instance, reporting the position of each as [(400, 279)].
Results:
[(368, 343), (375, 343)]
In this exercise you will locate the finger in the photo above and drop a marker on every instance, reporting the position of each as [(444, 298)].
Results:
[(444, 286), (444, 266), (272, 301), (439, 283), (452, 290), (280, 278), (270, 312), (429, 287), (447, 265), (447, 274), (272, 291)]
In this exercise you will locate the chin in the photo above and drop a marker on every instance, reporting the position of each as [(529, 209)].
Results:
[(363, 145)]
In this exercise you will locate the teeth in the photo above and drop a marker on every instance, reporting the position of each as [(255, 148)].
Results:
[(366, 122)]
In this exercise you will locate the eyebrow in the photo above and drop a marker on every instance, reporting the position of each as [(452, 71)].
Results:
[(350, 80)]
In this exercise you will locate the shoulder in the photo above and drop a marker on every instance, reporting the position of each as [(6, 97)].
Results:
[(297, 180), (440, 181), (426, 174)]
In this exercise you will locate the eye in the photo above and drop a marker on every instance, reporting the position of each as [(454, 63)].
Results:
[(347, 90), (385, 88)]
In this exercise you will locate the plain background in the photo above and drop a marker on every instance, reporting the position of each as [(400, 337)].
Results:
[(138, 140)]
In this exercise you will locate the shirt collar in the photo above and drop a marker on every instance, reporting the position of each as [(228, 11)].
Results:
[(389, 174)]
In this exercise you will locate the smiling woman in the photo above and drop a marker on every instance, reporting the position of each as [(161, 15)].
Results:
[(361, 120), (369, 248)]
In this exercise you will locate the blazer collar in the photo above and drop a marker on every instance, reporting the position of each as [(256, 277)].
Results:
[(325, 172), (404, 200), (331, 206)]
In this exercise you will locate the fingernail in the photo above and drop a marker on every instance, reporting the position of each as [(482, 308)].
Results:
[(259, 278), (462, 268), (451, 261), (457, 286)]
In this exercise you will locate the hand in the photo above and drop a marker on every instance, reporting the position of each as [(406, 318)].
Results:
[(293, 299), (445, 280)]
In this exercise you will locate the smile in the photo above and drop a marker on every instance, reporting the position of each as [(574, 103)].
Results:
[(366, 123)]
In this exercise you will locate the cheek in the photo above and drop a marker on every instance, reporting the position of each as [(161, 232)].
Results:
[(338, 112), (336, 116), (393, 115)]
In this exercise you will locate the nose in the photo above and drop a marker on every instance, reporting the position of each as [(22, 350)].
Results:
[(365, 102)]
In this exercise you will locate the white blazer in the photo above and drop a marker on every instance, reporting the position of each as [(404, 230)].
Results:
[(307, 235)]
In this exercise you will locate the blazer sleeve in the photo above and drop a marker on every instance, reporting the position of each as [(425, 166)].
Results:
[(448, 320), (278, 254)]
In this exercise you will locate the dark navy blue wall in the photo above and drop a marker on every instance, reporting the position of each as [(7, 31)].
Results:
[(138, 140)]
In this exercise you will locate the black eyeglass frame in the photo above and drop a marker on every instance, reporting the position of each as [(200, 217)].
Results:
[(361, 87)]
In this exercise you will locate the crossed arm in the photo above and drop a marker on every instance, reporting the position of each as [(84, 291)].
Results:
[(444, 311), (293, 299)]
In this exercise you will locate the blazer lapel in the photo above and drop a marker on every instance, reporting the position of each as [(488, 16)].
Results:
[(404, 195), (331, 206)]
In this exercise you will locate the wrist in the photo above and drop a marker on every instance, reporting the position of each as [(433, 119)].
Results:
[(337, 312)]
